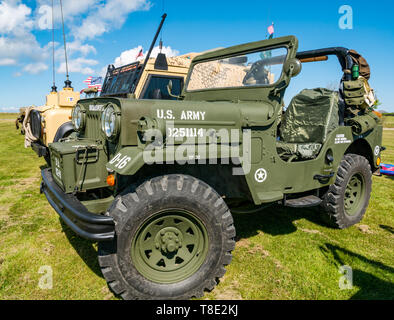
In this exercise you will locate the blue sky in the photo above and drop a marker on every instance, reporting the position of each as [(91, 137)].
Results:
[(99, 32)]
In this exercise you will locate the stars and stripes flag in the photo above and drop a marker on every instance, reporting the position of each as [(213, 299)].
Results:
[(271, 31), (140, 54), (88, 80), (94, 82)]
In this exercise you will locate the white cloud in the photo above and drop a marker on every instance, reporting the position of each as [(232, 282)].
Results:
[(167, 50), (7, 62), (127, 57), (35, 68), (130, 56), (78, 47), (15, 47), (14, 17), (72, 10), (80, 65), (85, 20), (108, 16)]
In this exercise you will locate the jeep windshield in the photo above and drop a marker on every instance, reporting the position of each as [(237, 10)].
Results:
[(261, 68), (121, 81)]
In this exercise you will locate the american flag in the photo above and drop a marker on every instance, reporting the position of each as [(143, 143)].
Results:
[(94, 82), (88, 80), (271, 31), (140, 54)]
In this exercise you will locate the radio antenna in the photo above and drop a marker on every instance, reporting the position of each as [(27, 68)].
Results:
[(161, 31), (54, 88), (163, 18), (67, 82)]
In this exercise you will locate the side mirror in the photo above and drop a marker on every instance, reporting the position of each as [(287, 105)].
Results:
[(169, 86), (293, 67), (169, 89)]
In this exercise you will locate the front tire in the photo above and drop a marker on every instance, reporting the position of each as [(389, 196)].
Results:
[(346, 201), (174, 236)]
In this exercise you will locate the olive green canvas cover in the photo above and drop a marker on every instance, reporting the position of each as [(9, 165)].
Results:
[(311, 116), (302, 151), (362, 124)]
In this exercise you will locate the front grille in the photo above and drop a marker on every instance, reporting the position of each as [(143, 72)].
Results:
[(93, 126)]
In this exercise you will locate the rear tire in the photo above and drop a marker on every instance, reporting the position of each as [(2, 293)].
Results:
[(174, 237), (346, 201)]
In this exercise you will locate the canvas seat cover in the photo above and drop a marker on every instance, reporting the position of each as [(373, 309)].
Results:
[(300, 150), (310, 117)]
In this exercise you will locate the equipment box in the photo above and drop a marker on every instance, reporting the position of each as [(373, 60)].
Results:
[(79, 165)]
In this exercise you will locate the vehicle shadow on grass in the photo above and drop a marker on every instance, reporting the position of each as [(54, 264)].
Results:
[(84, 248), (275, 220), (387, 228), (371, 286)]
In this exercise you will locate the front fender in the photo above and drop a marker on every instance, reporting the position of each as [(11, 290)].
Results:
[(127, 161)]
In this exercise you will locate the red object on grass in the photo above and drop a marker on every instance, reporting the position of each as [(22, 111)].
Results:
[(387, 169)]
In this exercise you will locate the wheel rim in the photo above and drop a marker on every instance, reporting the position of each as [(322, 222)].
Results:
[(170, 246), (354, 194)]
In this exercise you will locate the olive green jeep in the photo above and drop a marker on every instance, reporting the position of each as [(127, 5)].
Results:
[(154, 182), (52, 122)]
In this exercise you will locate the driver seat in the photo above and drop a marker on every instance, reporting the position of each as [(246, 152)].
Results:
[(311, 116)]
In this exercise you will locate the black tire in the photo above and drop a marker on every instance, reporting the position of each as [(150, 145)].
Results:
[(336, 202), (131, 211)]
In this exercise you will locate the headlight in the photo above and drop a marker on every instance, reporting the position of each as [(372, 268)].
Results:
[(110, 121), (78, 118)]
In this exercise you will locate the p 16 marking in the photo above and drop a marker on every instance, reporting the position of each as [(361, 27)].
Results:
[(119, 161)]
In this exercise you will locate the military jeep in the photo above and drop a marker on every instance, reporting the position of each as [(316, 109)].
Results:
[(52, 122), (154, 182)]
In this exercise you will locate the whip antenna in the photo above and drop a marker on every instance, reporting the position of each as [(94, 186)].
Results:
[(67, 82), (54, 88)]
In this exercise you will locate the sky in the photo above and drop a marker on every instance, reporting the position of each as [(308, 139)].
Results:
[(102, 32)]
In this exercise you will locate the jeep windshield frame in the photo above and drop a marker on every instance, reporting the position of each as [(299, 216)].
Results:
[(119, 82), (239, 71), (246, 93)]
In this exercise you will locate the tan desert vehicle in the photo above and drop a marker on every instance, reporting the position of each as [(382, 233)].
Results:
[(52, 122)]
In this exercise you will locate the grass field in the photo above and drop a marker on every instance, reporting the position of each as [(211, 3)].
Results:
[(388, 121), (280, 253)]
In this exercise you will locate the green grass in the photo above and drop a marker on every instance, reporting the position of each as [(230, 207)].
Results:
[(388, 121), (8, 116), (280, 253)]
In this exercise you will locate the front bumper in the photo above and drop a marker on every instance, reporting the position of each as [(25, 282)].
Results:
[(84, 223), (38, 148)]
